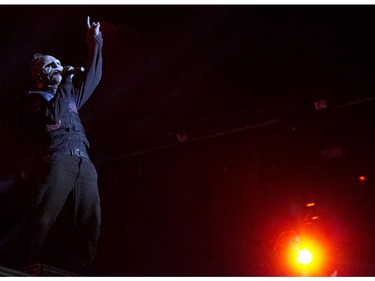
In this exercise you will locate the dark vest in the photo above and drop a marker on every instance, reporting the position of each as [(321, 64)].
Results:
[(69, 127)]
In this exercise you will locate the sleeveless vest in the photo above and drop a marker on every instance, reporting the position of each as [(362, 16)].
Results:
[(69, 127)]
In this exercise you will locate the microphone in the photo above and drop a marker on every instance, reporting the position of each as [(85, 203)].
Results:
[(76, 70)]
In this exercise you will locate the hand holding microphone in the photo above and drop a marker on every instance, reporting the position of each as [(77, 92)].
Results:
[(69, 70)]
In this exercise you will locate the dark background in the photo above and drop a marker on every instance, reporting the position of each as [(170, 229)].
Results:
[(205, 133)]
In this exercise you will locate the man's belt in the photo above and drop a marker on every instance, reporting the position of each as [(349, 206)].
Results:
[(75, 152)]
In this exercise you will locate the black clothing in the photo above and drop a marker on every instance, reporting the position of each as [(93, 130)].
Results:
[(68, 174), (57, 114), (70, 170)]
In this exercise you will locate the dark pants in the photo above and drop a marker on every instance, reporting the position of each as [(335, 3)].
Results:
[(67, 175)]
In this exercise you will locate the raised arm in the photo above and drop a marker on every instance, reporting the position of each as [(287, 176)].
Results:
[(94, 65)]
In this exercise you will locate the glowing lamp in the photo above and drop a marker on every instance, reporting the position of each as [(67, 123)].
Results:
[(362, 178), (304, 256)]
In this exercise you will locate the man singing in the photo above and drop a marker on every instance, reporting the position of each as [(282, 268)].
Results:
[(53, 110)]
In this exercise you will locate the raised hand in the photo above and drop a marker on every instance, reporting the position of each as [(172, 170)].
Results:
[(93, 28)]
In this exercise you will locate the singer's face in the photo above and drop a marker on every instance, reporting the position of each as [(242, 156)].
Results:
[(49, 70)]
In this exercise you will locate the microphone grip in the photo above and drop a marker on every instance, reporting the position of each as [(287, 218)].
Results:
[(76, 70)]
